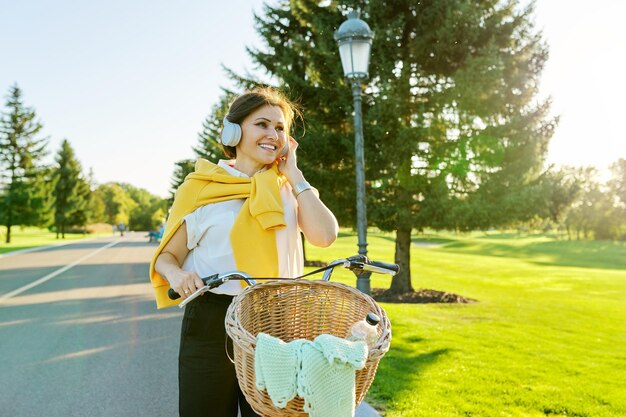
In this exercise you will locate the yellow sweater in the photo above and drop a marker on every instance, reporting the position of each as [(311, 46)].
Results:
[(252, 236)]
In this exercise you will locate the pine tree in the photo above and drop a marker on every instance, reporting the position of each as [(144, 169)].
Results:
[(69, 190), (181, 170), (84, 212), (208, 145), (301, 54), (24, 199), (453, 136), (458, 80)]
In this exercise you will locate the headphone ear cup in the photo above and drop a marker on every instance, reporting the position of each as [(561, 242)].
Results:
[(231, 133)]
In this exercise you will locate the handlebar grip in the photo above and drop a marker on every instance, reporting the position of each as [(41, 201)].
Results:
[(173, 295), (392, 267)]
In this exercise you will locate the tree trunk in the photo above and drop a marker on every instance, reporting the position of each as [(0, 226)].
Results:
[(401, 283), (8, 240)]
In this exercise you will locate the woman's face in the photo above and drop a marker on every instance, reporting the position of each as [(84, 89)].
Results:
[(263, 137)]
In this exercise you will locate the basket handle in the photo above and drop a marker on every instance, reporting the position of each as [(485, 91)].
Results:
[(226, 349)]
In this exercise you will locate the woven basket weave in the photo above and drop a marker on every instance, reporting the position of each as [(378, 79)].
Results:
[(291, 310)]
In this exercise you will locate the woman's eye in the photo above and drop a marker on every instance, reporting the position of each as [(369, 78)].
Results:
[(264, 125)]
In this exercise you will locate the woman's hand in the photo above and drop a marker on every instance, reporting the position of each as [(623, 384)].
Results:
[(169, 262), (288, 166), (184, 283), (315, 219)]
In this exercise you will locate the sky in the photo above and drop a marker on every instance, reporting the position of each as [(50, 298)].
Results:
[(129, 83)]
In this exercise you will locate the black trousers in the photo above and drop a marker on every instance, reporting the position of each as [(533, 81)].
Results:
[(207, 380)]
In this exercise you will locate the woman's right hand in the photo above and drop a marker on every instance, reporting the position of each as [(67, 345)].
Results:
[(168, 265), (184, 282)]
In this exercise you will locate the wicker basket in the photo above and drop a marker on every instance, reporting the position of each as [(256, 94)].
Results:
[(293, 310)]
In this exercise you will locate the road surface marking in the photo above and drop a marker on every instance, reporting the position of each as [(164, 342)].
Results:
[(55, 273), (38, 248)]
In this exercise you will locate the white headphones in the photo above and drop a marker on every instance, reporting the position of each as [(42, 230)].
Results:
[(231, 133)]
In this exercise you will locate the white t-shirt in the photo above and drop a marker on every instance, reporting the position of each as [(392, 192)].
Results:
[(208, 238)]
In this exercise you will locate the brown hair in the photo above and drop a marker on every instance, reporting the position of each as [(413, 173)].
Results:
[(251, 100)]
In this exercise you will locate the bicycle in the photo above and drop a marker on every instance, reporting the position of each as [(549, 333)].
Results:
[(294, 308)]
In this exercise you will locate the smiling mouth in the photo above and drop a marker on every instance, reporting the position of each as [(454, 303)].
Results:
[(267, 147)]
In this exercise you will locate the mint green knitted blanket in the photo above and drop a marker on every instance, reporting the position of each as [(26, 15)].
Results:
[(322, 372)]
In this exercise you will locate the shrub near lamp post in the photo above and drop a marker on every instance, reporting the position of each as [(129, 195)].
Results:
[(354, 39)]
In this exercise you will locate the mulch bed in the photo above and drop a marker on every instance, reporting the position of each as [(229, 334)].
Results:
[(421, 296)]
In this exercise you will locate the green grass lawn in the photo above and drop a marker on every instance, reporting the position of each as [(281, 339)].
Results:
[(29, 237), (547, 337)]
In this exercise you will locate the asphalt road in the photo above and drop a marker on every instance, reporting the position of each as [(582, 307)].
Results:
[(80, 334)]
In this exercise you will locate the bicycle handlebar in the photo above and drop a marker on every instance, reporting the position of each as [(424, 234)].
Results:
[(213, 281), (208, 281), (354, 263), (373, 266), (391, 267)]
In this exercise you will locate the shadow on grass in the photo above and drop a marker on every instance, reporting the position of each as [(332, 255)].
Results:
[(583, 254), (399, 372), (509, 235), (434, 240), (420, 239)]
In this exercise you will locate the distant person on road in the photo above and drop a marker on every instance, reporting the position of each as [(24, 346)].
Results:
[(240, 214), (156, 235)]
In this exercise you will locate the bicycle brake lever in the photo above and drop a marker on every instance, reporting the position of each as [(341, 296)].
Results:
[(213, 281)]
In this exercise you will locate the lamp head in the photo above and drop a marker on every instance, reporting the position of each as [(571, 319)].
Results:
[(354, 38)]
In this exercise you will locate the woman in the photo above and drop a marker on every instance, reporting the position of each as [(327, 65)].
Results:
[(245, 214)]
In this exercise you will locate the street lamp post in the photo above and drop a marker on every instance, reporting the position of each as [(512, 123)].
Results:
[(354, 39)]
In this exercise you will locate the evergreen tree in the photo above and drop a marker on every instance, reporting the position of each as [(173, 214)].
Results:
[(460, 79), (453, 137), (83, 214), (208, 146), (181, 170), (69, 190), (301, 54), (24, 199)]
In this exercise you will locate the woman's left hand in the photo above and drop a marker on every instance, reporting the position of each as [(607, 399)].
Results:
[(288, 166), (315, 219)]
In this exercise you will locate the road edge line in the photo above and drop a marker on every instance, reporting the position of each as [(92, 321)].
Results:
[(53, 245), (55, 273)]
